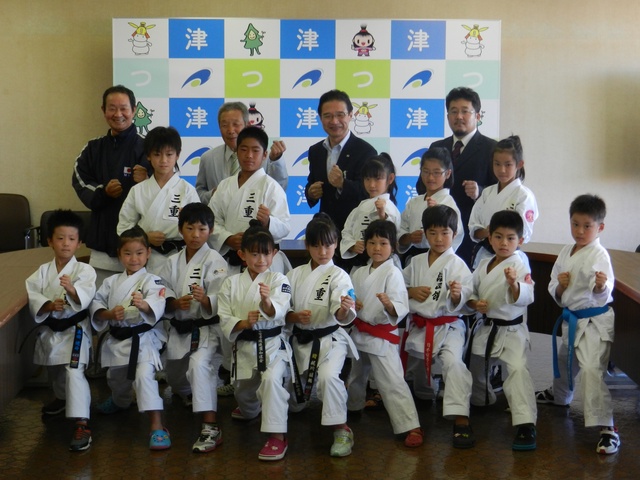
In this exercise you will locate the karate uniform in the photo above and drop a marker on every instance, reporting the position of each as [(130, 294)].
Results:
[(54, 348), (235, 206), (319, 290), (238, 296), (117, 290), (594, 335), (514, 196), (191, 372), (380, 356), (448, 339), (411, 219), (510, 342), (360, 218), (157, 209)]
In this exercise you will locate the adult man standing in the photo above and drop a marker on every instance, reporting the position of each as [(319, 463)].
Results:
[(335, 163), (222, 162), (471, 153), (103, 174)]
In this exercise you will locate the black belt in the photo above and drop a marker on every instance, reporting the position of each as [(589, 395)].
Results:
[(169, 246), (305, 336), (495, 323), (192, 326), (257, 336), (124, 333), (484, 243)]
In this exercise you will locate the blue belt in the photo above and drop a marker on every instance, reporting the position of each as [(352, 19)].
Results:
[(571, 317)]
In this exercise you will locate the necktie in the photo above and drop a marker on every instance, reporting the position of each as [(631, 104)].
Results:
[(234, 165), (456, 150)]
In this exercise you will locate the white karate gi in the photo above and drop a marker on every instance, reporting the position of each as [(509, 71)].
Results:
[(235, 206), (238, 296), (157, 209), (594, 335), (319, 290), (378, 355), (360, 218), (510, 342), (192, 372), (54, 348), (449, 339), (514, 196), (411, 219), (117, 290)]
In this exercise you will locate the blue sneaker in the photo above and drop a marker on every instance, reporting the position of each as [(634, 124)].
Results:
[(108, 407)]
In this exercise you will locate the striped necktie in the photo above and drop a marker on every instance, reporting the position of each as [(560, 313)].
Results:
[(456, 151), (234, 165)]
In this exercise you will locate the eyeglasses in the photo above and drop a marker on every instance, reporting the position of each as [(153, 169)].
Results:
[(464, 113), (331, 116), (433, 173)]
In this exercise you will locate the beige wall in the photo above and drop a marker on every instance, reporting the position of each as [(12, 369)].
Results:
[(570, 88)]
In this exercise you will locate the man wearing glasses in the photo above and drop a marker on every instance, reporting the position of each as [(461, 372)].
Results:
[(471, 153), (335, 163)]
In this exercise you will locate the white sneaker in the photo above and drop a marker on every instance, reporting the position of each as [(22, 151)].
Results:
[(609, 441), (210, 437), (342, 443)]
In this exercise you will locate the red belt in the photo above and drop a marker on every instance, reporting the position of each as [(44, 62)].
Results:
[(430, 323), (380, 331)]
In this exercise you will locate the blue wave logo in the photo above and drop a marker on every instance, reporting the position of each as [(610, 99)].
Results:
[(419, 79), (194, 158), (414, 158), (199, 78), (304, 158), (310, 78), (301, 234)]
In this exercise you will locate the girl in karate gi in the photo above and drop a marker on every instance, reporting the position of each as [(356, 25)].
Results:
[(508, 194), (322, 302), (130, 304), (252, 307), (379, 177), (381, 301), (155, 203), (436, 172)]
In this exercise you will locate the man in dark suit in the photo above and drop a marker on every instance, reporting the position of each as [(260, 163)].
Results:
[(335, 163), (471, 153)]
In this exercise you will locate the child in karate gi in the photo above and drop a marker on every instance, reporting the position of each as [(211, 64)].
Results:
[(436, 172), (251, 194), (502, 289), (381, 301), (252, 307), (508, 194), (60, 293), (379, 177), (155, 203), (435, 282), (130, 304), (323, 301), (195, 275), (582, 284)]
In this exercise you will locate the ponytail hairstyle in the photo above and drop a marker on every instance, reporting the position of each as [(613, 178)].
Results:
[(321, 231), (512, 146), (257, 239), (382, 166)]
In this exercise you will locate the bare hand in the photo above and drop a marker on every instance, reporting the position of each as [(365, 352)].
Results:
[(510, 275), (380, 203), (57, 305), (314, 192), (416, 237), (67, 284), (137, 300), (263, 215), (336, 177), (384, 299), (303, 317), (139, 173), (358, 305), (563, 280), (471, 189), (419, 293), (265, 291), (601, 280), (184, 302), (431, 202), (358, 248), (482, 306), (198, 292), (455, 291), (277, 149), (156, 238), (118, 313), (234, 241), (252, 317), (113, 188)]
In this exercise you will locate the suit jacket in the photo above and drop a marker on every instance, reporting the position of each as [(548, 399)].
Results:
[(352, 157), (474, 163)]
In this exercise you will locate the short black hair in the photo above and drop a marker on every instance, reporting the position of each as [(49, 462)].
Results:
[(321, 231), (194, 213), (256, 133), (591, 205), (64, 218), (161, 137), (133, 234), (337, 95), (119, 89), (257, 238), (464, 93), (507, 219), (383, 229), (440, 216)]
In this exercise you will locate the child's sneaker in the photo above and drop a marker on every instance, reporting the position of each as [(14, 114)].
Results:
[(342, 443), (463, 436), (236, 414), (210, 437), (160, 440), (274, 449), (226, 390), (609, 441), (546, 397), (525, 438), (109, 407), (55, 407), (81, 439)]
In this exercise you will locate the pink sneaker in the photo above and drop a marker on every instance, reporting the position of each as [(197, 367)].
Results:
[(274, 449)]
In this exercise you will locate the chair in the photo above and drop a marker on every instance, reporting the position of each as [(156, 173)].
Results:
[(43, 232), (15, 219)]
